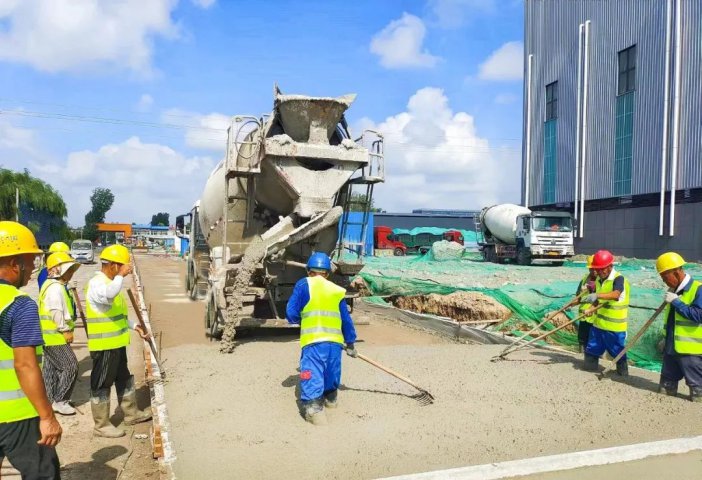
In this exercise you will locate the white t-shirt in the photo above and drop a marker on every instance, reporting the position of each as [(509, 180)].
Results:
[(101, 294), (55, 302)]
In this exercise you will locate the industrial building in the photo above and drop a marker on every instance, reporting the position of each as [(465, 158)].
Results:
[(613, 122)]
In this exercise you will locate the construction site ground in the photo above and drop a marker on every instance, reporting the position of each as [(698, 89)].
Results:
[(236, 415), (82, 455)]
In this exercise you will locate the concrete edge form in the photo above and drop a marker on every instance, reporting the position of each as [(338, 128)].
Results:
[(560, 462), (160, 438)]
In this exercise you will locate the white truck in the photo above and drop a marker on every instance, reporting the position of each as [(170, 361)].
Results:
[(512, 232)]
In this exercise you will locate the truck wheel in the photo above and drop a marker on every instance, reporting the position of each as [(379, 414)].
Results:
[(213, 323), (398, 252), (523, 257)]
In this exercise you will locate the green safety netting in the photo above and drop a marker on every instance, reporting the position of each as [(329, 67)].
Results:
[(529, 292)]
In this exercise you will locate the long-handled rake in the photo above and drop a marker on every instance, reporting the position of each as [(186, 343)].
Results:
[(633, 341), (423, 397)]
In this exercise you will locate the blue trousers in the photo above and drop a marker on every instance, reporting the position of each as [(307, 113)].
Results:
[(320, 370), (601, 340)]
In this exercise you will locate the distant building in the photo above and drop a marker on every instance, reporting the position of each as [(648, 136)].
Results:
[(612, 126), (427, 218)]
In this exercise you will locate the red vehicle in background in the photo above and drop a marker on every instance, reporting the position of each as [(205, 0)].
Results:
[(405, 244), (383, 240)]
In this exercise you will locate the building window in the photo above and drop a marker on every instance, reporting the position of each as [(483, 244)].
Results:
[(551, 101), (627, 71), (549, 189), (623, 142)]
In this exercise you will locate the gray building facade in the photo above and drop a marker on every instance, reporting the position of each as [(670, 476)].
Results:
[(613, 121)]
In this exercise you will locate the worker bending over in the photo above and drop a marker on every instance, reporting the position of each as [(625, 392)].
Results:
[(319, 306), (57, 317), (108, 337), (586, 287), (682, 356), (29, 430), (608, 331)]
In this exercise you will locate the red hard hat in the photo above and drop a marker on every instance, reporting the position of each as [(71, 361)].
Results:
[(602, 259)]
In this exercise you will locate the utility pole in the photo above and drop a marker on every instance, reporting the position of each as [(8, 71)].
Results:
[(17, 204)]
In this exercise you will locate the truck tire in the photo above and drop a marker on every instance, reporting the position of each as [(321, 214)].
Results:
[(213, 320), (523, 257), (490, 255), (398, 252)]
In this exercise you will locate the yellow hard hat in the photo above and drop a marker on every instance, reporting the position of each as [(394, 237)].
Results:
[(115, 253), (16, 239), (669, 261), (59, 247), (58, 258), (590, 258)]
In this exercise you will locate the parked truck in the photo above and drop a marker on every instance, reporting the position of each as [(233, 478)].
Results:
[(284, 190), (512, 232), (420, 243), (383, 239)]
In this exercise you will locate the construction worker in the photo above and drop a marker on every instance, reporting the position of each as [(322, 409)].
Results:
[(319, 306), (682, 356), (29, 431), (608, 331), (57, 322), (53, 248), (586, 287), (108, 337)]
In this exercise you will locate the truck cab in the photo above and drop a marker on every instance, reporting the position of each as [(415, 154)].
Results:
[(386, 240), (453, 236), (544, 236)]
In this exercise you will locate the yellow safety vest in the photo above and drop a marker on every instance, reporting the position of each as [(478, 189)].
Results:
[(585, 306), (107, 330), (614, 313), (321, 318), (49, 329), (688, 334), (14, 404)]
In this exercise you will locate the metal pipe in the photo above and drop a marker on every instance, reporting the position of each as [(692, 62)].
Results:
[(527, 160), (676, 114), (666, 115), (576, 191), (583, 156)]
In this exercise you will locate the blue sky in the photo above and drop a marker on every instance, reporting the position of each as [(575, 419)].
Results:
[(135, 97)]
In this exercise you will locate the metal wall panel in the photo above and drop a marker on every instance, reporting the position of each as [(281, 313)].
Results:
[(551, 35)]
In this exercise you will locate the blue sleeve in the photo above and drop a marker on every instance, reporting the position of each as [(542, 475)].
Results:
[(297, 301), (618, 284), (347, 327), (693, 311), (43, 275), (21, 324)]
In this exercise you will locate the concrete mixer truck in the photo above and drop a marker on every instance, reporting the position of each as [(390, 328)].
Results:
[(283, 191), (512, 232)]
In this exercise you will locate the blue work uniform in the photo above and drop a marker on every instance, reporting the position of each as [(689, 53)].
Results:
[(320, 362), (601, 340)]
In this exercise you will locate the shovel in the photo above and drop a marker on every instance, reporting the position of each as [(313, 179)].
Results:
[(79, 306), (633, 342)]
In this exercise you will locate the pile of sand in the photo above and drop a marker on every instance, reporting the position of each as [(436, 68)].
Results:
[(444, 250), (460, 306)]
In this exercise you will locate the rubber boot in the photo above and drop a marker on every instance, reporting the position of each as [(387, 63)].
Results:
[(100, 406), (591, 363), (314, 412), (623, 368), (696, 394), (670, 388), (128, 404), (330, 399)]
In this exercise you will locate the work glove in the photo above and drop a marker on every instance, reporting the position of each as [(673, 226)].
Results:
[(73, 284), (351, 350), (592, 298), (670, 297)]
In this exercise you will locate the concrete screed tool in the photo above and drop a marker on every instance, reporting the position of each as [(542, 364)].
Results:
[(633, 342), (149, 340)]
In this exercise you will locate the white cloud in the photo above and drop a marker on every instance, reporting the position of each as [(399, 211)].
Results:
[(504, 64), (202, 131), (145, 103), (438, 156), (15, 140), (506, 98), (455, 13), (400, 44), (60, 35), (203, 3), (145, 178)]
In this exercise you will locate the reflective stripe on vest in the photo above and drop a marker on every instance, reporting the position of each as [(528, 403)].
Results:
[(688, 334), (585, 306), (49, 330), (321, 318), (14, 405), (612, 316), (107, 330)]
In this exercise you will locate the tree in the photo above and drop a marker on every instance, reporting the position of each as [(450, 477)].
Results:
[(359, 201), (34, 194), (161, 219), (102, 200)]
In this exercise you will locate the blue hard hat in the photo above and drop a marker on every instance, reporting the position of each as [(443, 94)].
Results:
[(319, 261)]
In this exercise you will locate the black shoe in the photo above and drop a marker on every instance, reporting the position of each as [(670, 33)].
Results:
[(696, 394), (670, 388), (330, 399), (591, 363)]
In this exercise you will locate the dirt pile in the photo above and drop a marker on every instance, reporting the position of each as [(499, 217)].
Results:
[(460, 306)]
